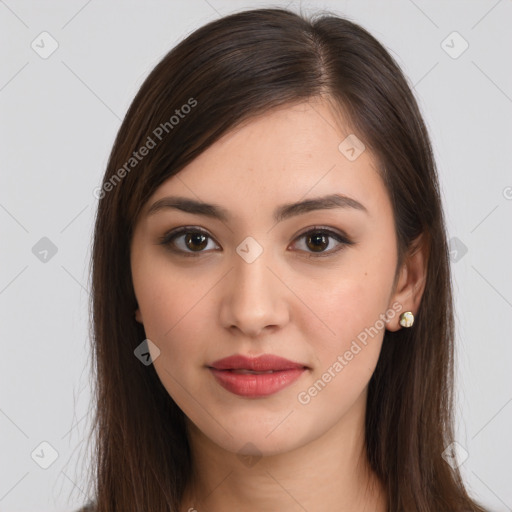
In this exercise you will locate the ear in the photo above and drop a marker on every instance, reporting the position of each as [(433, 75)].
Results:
[(411, 281)]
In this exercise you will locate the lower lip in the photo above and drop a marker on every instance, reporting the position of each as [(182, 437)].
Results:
[(256, 385)]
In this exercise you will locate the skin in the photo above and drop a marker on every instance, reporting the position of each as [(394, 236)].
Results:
[(287, 302)]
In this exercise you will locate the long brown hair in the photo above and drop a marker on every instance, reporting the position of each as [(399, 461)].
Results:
[(226, 72)]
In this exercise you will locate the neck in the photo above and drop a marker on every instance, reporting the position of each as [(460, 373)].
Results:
[(329, 473)]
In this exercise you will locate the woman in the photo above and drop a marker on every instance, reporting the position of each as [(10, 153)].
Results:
[(273, 325)]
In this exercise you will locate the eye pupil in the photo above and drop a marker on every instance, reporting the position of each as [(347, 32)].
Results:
[(318, 238), (194, 237)]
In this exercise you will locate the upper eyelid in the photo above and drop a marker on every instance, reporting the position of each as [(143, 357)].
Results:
[(179, 230)]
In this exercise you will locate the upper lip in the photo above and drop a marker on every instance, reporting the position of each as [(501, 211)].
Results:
[(261, 363)]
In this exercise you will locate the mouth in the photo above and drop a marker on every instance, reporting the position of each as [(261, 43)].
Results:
[(261, 364), (256, 377), (244, 371)]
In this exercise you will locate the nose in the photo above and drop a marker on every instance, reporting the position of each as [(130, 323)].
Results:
[(254, 299)]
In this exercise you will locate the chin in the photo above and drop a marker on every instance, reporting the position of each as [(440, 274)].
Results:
[(252, 438)]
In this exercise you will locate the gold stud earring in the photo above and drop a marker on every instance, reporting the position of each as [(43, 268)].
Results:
[(406, 319)]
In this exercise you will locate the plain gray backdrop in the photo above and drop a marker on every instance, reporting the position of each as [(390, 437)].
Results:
[(69, 72)]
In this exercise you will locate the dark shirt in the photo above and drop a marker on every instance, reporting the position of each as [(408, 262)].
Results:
[(87, 508)]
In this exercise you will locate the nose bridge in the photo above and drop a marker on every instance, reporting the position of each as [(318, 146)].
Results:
[(252, 280), (254, 298)]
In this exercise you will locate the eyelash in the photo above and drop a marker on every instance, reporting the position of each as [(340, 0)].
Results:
[(169, 237)]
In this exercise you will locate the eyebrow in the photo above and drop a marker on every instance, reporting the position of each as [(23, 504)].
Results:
[(281, 213)]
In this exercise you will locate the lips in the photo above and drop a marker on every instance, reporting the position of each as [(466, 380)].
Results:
[(263, 364), (256, 377)]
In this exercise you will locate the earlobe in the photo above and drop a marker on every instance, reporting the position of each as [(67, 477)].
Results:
[(410, 284), (138, 316)]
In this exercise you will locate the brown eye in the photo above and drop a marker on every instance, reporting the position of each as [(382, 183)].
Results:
[(187, 241), (317, 242), (196, 241), (320, 242)]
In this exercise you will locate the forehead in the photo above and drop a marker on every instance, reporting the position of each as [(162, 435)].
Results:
[(285, 155)]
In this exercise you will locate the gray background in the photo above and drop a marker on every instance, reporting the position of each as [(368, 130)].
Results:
[(59, 116)]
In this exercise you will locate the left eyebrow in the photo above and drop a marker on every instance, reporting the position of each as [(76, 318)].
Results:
[(281, 213)]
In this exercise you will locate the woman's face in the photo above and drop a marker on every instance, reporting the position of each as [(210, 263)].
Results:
[(310, 284)]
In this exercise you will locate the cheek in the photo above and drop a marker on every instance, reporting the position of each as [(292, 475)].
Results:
[(176, 310), (164, 294), (172, 311), (177, 323), (345, 360), (351, 323), (343, 306), (347, 329)]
